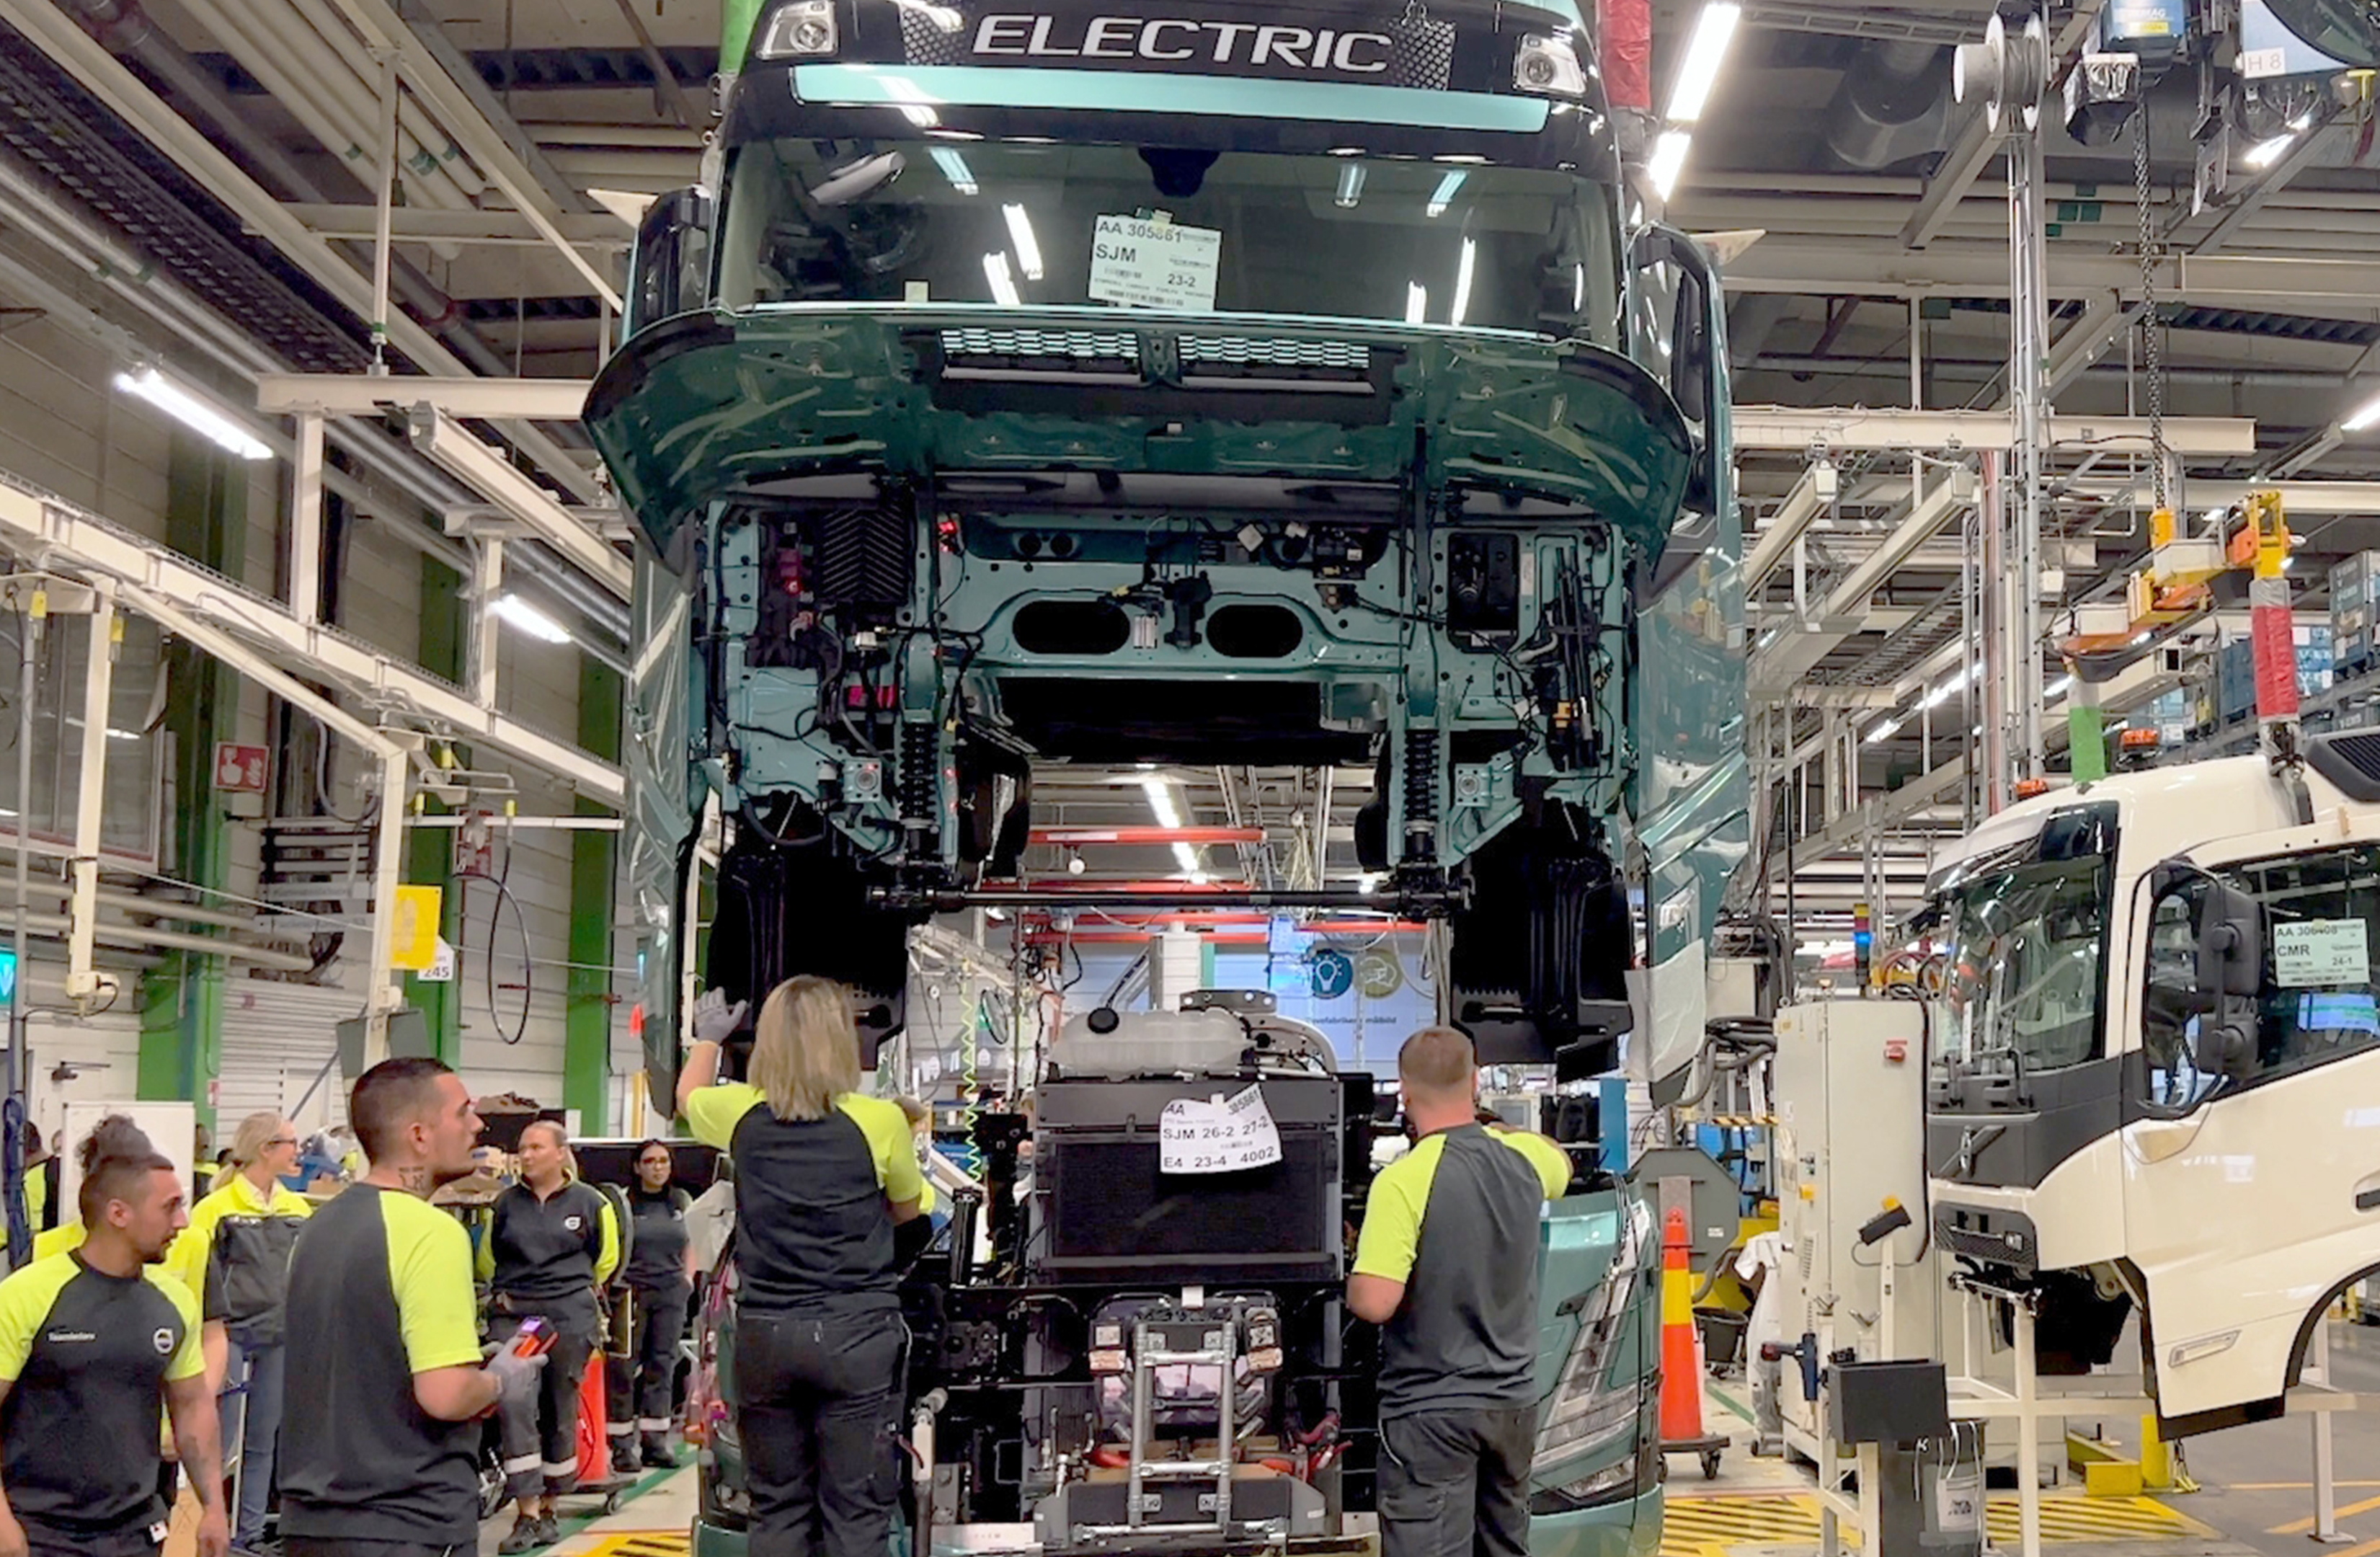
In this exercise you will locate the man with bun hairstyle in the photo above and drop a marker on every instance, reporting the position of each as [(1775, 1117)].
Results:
[(90, 1340)]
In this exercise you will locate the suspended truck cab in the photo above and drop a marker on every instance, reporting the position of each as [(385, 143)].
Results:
[(1180, 386)]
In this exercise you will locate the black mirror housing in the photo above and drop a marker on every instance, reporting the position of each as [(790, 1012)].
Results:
[(670, 272), (2230, 925), (2231, 942)]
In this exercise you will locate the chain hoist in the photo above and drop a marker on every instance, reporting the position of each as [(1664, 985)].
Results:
[(2152, 345)]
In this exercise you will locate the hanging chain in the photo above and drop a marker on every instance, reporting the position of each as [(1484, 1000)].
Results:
[(2152, 347)]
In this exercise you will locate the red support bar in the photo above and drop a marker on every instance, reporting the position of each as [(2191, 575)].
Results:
[(1140, 938), (1148, 833), (1059, 887)]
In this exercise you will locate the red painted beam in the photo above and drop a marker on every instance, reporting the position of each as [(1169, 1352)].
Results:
[(1136, 937), (1147, 834)]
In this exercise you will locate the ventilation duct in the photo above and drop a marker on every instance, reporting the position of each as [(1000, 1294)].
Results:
[(1891, 106)]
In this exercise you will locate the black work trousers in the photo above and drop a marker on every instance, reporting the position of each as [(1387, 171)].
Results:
[(640, 1389), (1456, 1483), (541, 1430), (817, 1408), (342, 1546)]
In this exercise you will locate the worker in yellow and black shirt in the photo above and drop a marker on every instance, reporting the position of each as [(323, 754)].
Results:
[(822, 1175), (238, 1243), (91, 1340), (1447, 1266), (551, 1242), (380, 1455)]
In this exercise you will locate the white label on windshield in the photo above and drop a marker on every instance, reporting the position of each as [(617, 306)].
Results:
[(1155, 264), (2321, 952)]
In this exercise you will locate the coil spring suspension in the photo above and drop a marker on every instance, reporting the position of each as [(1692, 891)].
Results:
[(1421, 796), (920, 756)]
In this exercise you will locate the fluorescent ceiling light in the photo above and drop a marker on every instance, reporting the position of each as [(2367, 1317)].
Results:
[(1369, 880), (1028, 248), (192, 412), (1187, 858), (1161, 802), (530, 620), (1443, 196), (2265, 154), (115, 735), (1692, 89), (1003, 284), (955, 168), (2362, 418), (1463, 282), (1417, 302), (2057, 689), (1668, 159), (1197, 878), (1886, 730)]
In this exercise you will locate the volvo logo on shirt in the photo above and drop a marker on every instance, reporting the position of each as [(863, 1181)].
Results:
[(1407, 50), (164, 1342), (574, 1221)]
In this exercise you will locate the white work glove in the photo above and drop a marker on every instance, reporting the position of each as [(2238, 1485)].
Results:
[(715, 1017), (516, 1375)]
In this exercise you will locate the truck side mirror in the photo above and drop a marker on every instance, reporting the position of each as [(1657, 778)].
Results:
[(2214, 1002), (1682, 307), (670, 272)]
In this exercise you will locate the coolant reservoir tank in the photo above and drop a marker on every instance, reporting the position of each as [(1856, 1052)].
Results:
[(1149, 1044)]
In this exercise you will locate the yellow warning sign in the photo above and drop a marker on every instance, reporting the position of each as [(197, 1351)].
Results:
[(413, 941)]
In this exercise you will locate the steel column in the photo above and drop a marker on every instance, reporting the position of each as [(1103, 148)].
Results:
[(98, 684), (594, 864), (2028, 398), (306, 522), (487, 582)]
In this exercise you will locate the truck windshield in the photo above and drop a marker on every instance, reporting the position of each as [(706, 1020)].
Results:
[(1021, 224), (2023, 948)]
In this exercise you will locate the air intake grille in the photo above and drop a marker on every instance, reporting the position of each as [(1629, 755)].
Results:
[(1109, 345), (863, 557), (2350, 759), (2011, 1251), (1255, 351)]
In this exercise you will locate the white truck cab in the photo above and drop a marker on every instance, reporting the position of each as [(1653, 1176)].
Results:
[(2156, 1068)]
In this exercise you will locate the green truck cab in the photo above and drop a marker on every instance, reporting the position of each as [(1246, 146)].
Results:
[(1181, 386)]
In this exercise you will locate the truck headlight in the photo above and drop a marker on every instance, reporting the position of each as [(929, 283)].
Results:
[(1548, 67), (804, 27)]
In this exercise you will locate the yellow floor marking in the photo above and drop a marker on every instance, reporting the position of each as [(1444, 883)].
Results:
[(2300, 1526)]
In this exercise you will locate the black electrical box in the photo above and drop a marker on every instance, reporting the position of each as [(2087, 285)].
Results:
[(1483, 572), (1888, 1402)]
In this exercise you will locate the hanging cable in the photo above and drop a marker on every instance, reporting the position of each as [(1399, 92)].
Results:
[(2152, 347)]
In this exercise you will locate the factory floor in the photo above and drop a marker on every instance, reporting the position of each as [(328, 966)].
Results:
[(652, 1521), (2254, 1500), (2255, 1496)]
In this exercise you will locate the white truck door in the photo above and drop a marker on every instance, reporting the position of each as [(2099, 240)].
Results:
[(2253, 1168)]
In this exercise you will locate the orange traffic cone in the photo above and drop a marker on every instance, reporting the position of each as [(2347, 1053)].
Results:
[(1681, 1377)]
